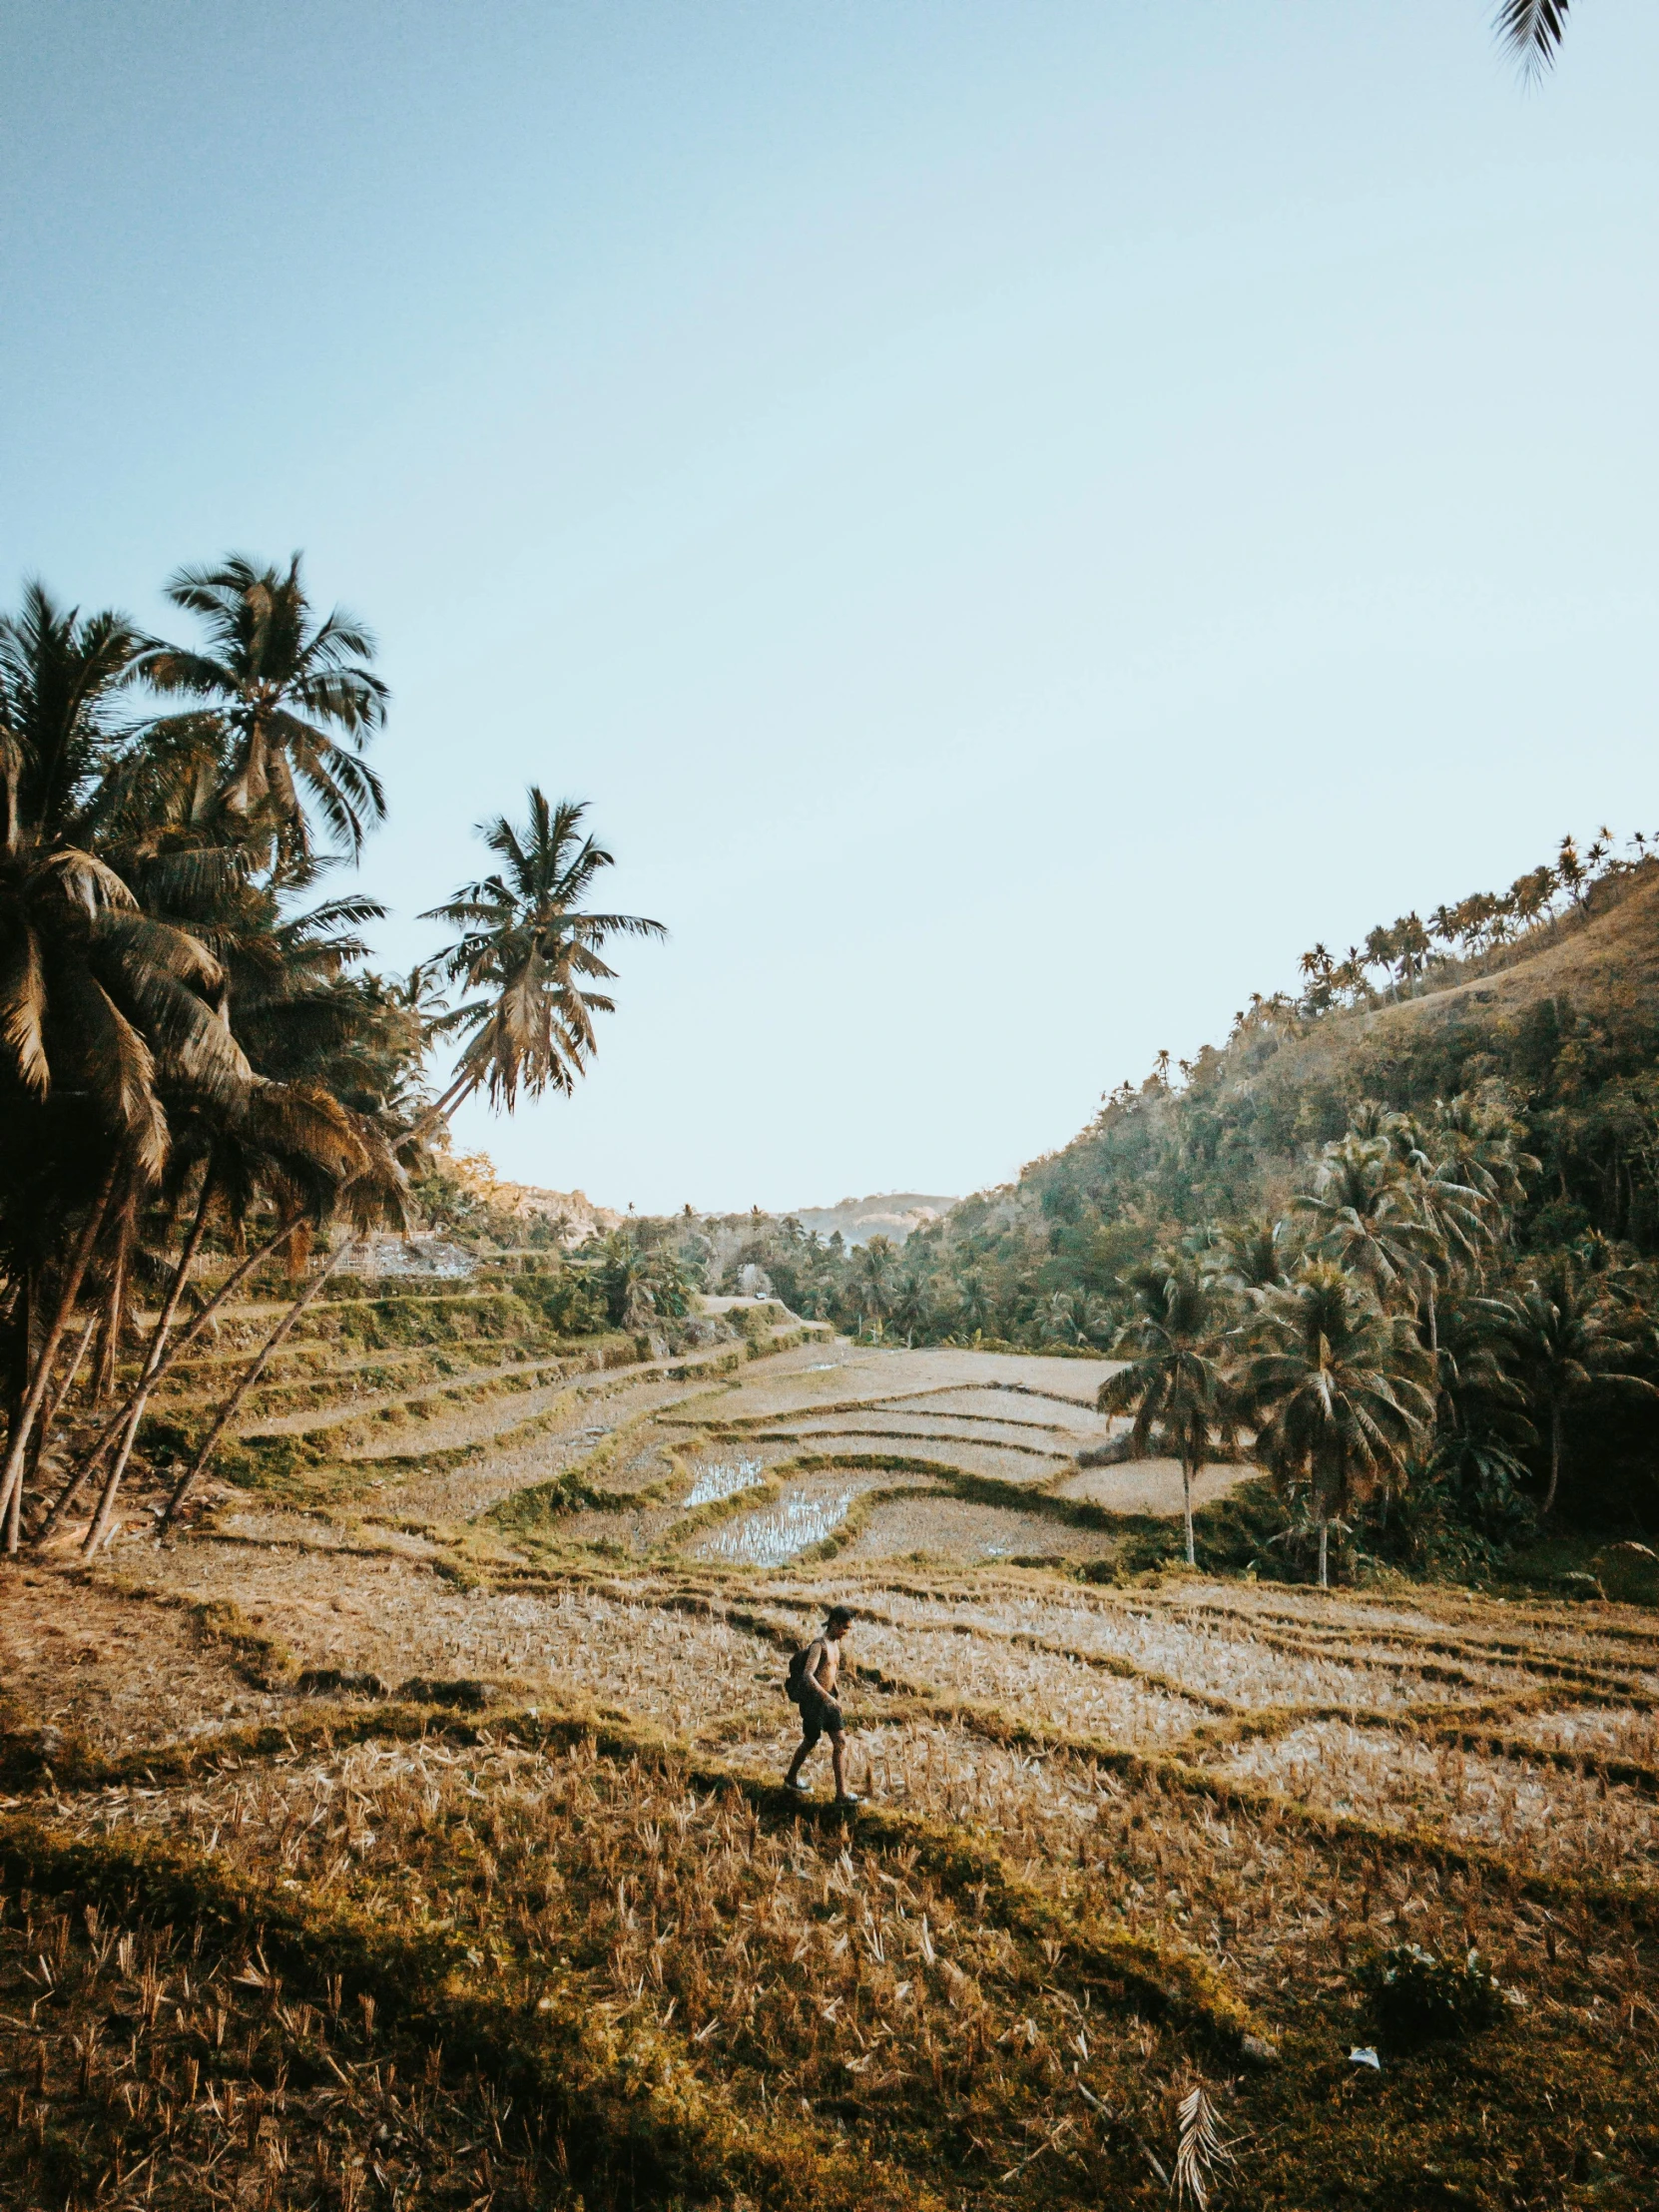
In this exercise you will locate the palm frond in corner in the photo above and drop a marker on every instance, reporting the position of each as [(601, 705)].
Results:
[(1532, 30), (1200, 2148)]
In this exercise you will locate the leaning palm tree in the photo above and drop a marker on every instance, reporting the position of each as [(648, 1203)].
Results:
[(1176, 1383), (106, 1015), (291, 1145), (1338, 1390), (285, 703), (1569, 1336), (375, 1191), (529, 947)]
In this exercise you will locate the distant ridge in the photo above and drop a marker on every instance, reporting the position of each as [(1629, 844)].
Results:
[(892, 1214)]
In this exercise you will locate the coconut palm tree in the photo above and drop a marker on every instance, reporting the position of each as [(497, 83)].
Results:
[(1337, 1391), (1485, 1426), (1477, 1141), (1361, 1214), (910, 1304), (287, 705), (289, 1145), (975, 1303), (1176, 1383), (1457, 1220), (106, 1015), (374, 1192), (1254, 1256), (1569, 1336), (872, 1276), (528, 948), (99, 1002)]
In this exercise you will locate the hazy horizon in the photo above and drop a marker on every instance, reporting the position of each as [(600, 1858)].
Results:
[(1019, 521)]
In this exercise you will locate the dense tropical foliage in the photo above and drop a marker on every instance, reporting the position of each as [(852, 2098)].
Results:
[(1470, 1175), (197, 1064)]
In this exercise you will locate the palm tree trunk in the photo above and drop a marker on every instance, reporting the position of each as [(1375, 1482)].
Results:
[(114, 1315), (23, 1317), (1325, 1553), (227, 1412), (152, 1360), (442, 1109), (11, 1476), (113, 1428), (53, 1405), (1554, 1458), (1187, 1508)]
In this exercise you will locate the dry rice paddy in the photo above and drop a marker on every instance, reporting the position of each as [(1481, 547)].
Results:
[(415, 1837)]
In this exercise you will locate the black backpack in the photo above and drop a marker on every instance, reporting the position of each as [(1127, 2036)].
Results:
[(795, 1680)]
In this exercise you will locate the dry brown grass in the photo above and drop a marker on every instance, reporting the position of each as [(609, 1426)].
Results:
[(155, 2063), (1110, 1832)]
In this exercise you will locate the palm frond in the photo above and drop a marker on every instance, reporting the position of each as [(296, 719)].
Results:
[(119, 1070), (1200, 2147), (23, 1009), (89, 882), (1532, 30)]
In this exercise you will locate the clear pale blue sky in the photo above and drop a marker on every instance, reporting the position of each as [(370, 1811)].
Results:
[(1018, 517)]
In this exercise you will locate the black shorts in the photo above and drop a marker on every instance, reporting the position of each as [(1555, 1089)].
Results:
[(819, 1716)]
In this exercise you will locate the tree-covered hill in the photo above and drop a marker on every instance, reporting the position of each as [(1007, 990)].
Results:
[(1566, 1023), (1526, 1023)]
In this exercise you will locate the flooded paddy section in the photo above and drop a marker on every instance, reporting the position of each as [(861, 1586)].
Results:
[(714, 1479), (810, 1509)]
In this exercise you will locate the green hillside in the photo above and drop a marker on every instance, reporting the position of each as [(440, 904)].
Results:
[(1569, 1027), (1549, 1028)]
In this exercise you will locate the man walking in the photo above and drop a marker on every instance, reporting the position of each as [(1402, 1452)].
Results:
[(814, 1682)]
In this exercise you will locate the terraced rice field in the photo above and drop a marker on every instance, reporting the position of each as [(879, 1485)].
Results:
[(410, 1832)]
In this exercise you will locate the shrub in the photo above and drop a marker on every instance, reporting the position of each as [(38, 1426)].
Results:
[(1418, 1994)]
